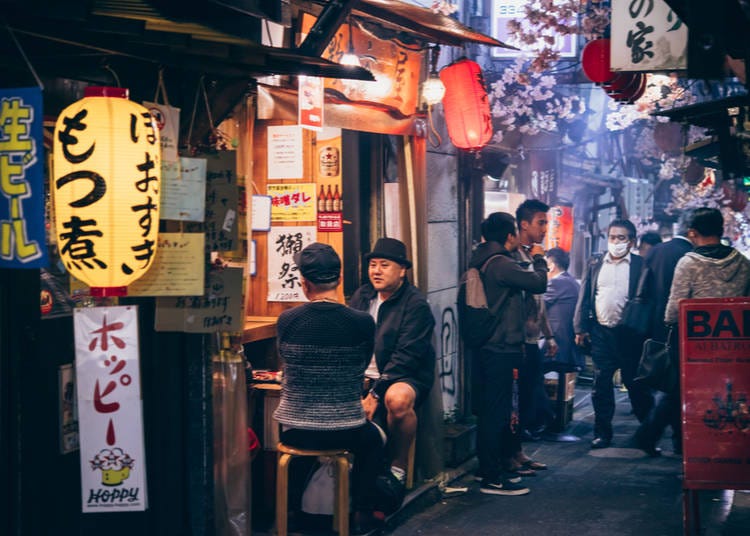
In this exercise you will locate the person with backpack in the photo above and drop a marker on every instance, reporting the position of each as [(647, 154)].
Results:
[(505, 282)]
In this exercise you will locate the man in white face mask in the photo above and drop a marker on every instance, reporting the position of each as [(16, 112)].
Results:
[(609, 282)]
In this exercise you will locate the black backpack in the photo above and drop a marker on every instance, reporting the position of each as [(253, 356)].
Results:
[(476, 320)]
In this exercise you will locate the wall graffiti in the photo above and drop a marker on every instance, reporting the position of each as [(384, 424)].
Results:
[(448, 359)]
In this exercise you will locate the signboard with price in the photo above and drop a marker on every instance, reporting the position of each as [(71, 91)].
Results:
[(715, 382)]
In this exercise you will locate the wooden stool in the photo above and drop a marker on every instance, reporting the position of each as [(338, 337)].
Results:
[(341, 494), (410, 465)]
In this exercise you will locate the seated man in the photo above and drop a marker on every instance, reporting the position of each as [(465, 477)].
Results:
[(403, 365), (325, 347)]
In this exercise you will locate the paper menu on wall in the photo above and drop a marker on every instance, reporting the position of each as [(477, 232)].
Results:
[(178, 269), (183, 195)]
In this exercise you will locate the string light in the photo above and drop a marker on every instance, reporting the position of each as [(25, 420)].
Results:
[(350, 58)]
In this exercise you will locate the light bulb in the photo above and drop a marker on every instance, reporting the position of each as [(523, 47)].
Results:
[(350, 59), (433, 90)]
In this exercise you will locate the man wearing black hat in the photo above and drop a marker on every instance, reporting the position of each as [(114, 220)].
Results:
[(403, 365), (326, 347)]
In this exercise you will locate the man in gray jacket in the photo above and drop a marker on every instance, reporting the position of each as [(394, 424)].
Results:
[(505, 282)]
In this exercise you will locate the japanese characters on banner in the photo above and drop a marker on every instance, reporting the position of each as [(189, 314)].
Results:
[(647, 35), (113, 463), (310, 105), (183, 196), (218, 308), (506, 10), (715, 369), (330, 201), (292, 202), (22, 233), (284, 152), (283, 274), (543, 166)]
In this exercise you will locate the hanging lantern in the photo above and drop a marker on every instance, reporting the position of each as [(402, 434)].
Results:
[(106, 181), (466, 105), (560, 227), (433, 89)]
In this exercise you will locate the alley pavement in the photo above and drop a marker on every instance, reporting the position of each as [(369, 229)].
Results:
[(613, 491)]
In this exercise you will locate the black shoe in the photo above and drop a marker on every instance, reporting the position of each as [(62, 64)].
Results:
[(390, 492), (527, 435), (601, 443), (502, 487), (649, 448)]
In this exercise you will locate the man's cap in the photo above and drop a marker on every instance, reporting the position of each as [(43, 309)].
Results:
[(318, 263), (391, 249)]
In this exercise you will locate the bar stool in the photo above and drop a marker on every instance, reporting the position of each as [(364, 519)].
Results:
[(410, 465), (341, 494)]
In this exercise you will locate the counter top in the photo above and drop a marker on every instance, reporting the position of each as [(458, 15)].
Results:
[(258, 328)]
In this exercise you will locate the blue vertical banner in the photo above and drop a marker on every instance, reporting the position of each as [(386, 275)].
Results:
[(23, 241)]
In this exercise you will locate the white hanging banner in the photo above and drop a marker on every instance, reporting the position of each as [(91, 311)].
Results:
[(283, 275), (113, 462), (647, 36)]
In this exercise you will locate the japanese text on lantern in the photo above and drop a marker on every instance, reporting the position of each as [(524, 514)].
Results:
[(18, 154), (107, 182), (77, 240)]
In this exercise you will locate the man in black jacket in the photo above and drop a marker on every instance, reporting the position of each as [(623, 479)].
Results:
[(505, 282), (403, 366), (609, 282)]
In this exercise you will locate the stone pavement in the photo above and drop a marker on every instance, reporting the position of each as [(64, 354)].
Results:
[(614, 491)]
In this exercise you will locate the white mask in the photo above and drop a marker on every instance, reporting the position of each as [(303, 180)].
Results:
[(618, 250)]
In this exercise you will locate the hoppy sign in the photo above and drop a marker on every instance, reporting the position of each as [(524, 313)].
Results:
[(106, 184)]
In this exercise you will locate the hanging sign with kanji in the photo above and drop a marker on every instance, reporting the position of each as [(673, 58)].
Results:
[(283, 275), (22, 234), (113, 463)]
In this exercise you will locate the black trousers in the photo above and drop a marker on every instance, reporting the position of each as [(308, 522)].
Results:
[(497, 441), (612, 349), (363, 442), (535, 409)]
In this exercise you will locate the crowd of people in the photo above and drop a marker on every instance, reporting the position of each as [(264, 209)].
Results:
[(355, 375)]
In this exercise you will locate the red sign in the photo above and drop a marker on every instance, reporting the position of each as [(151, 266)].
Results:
[(715, 380)]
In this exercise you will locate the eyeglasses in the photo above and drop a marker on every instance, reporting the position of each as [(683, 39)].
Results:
[(619, 238)]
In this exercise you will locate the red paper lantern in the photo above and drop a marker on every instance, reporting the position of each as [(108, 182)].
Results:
[(466, 105), (595, 61), (560, 229)]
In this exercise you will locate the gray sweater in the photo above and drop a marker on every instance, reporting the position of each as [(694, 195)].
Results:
[(708, 272), (325, 348)]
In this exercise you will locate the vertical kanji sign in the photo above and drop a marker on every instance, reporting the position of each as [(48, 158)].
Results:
[(113, 464), (22, 233), (715, 381)]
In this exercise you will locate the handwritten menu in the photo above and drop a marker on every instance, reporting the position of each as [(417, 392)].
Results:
[(285, 152), (219, 308), (178, 269), (183, 194)]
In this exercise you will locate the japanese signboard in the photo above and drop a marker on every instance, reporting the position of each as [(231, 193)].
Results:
[(715, 381), (178, 269), (543, 165), (395, 67), (22, 233), (183, 195), (113, 463), (292, 202), (167, 120), (106, 186), (68, 409), (310, 106), (219, 308), (506, 10), (284, 152), (283, 275), (647, 36)]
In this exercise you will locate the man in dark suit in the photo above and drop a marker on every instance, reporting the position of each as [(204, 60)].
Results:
[(560, 302), (660, 265), (610, 281)]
